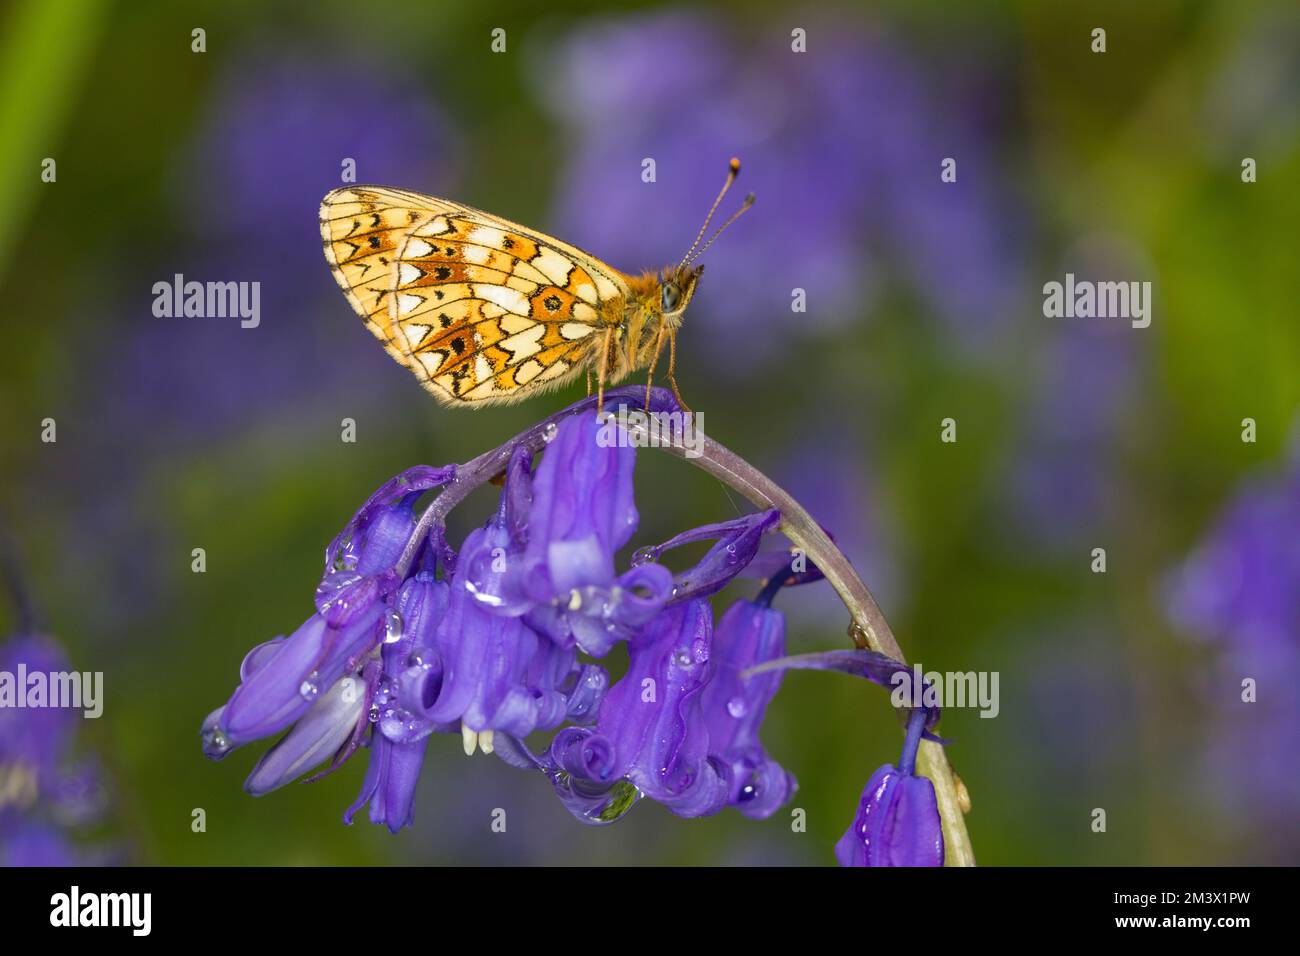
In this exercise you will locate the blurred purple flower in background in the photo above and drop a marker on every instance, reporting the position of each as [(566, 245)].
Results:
[(818, 136), (1063, 481), (827, 470), (1239, 591), (1085, 378), (248, 190), (246, 195), (46, 791)]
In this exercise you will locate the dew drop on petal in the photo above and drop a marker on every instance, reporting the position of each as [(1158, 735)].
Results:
[(392, 627), (215, 743), (310, 688)]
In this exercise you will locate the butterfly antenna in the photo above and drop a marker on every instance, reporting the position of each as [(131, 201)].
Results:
[(733, 170), (749, 201)]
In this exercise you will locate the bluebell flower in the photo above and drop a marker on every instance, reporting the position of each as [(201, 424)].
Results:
[(325, 727), (391, 779), (733, 706), (498, 672), (582, 513), (401, 688), (652, 718), (736, 544), (413, 638), (897, 820), (281, 680)]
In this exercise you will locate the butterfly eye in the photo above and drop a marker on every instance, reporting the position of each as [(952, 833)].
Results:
[(671, 296)]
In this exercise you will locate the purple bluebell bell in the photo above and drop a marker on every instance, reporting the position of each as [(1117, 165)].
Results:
[(736, 543), (326, 726), (400, 688), (281, 681), (582, 513), (650, 738), (653, 720), (391, 779), (733, 706), (498, 672), (897, 821)]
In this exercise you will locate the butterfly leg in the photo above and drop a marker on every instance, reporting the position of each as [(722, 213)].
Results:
[(672, 373), (654, 360), (602, 371)]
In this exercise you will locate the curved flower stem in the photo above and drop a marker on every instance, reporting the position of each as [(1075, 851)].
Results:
[(807, 534), (796, 524)]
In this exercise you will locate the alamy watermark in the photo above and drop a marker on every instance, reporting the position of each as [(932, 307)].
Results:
[(209, 300), (1084, 299), (62, 689), (633, 428), (951, 689), (133, 911)]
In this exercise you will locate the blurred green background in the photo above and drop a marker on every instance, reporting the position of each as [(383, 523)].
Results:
[(925, 302)]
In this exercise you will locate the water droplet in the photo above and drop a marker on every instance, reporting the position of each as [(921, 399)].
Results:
[(646, 555), (215, 743), (737, 707), (549, 432), (682, 658), (392, 627), (310, 688), (592, 803)]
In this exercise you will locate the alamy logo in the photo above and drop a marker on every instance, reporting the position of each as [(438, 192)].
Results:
[(952, 689), (103, 909), (638, 429), (209, 300), (23, 688), (1100, 300)]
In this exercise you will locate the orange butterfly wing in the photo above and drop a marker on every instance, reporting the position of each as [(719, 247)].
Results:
[(480, 309)]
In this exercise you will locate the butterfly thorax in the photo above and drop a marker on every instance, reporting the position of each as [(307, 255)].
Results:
[(642, 321)]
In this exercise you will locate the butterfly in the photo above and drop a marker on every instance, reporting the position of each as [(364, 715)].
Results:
[(485, 311)]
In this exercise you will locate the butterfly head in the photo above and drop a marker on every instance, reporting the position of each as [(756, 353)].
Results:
[(676, 287)]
